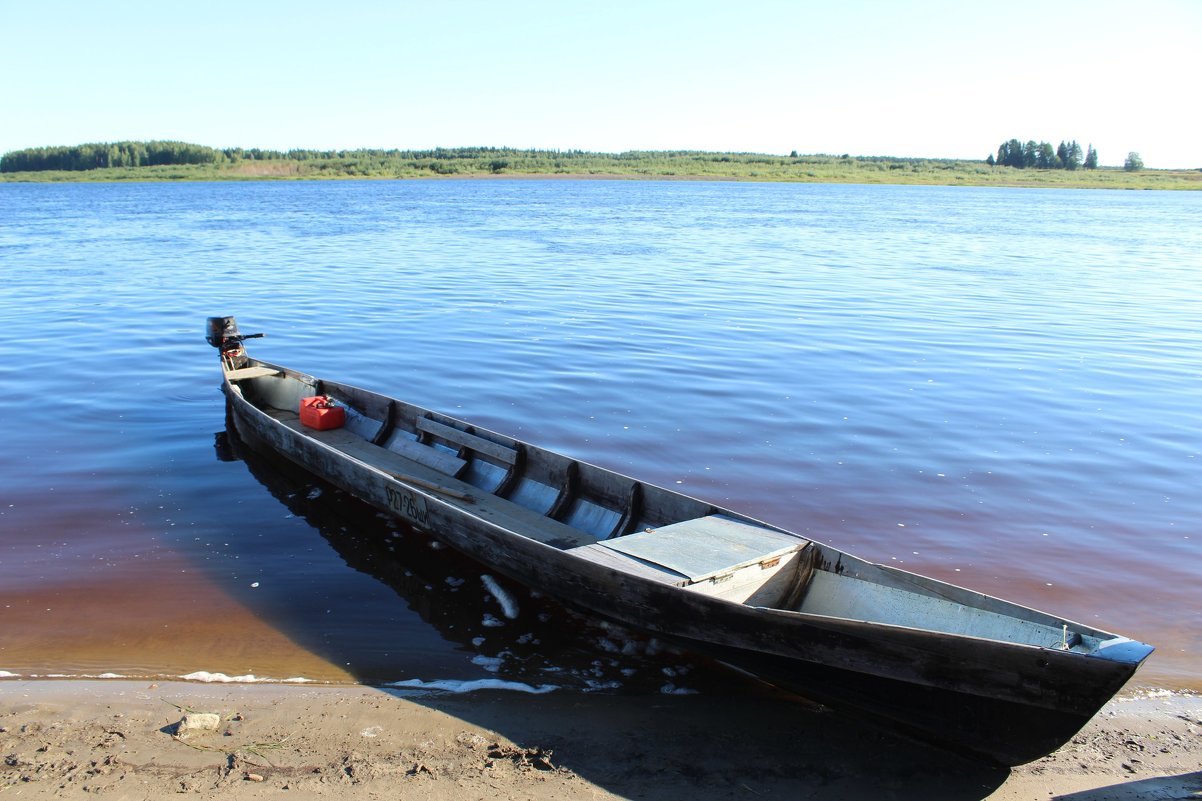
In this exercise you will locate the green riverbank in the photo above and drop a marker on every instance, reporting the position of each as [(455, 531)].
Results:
[(657, 165)]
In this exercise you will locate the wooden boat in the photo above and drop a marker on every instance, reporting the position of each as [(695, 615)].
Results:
[(970, 671)]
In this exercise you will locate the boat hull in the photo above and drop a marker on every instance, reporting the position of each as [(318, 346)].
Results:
[(993, 730), (999, 702)]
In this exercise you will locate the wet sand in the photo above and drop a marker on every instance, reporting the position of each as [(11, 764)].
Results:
[(113, 739)]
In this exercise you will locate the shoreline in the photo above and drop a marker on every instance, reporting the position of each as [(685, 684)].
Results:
[(1108, 179), (71, 738)]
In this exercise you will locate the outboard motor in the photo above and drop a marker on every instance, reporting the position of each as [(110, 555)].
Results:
[(220, 330), (222, 333)]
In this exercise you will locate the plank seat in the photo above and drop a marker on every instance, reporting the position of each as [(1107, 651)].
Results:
[(486, 447), (250, 372)]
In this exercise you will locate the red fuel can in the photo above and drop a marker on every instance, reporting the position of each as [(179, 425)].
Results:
[(321, 413)]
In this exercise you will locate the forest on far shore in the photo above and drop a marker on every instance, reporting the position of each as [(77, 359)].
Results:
[(1041, 156)]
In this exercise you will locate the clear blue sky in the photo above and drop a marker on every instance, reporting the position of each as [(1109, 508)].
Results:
[(866, 77)]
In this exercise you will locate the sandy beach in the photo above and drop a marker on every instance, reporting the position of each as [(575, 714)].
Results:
[(116, 739)]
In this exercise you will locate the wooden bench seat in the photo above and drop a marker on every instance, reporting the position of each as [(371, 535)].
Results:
[(486, 447), (250, 372)]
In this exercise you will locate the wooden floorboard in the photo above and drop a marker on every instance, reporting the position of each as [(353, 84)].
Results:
[(499, 511)]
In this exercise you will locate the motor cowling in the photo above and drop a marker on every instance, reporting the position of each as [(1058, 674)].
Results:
[(222, 332)]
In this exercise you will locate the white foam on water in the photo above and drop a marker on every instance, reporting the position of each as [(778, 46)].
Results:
[(508, 605), (451, 686), (490, 663), (221, 678), (1154, 693), (672, 689)]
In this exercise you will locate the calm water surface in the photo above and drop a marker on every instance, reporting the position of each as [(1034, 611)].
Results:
[(997, 387)]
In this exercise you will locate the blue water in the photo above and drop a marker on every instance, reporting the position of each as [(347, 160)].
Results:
[(997, 387)]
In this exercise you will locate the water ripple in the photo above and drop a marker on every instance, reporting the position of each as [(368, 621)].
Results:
[(996, 386)]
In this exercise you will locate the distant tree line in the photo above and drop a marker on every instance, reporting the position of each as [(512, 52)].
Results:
[(152, 161), (108, 154), (1041, 156), (146, 154), (459, 160)]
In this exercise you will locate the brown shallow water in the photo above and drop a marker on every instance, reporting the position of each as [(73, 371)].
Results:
[(146, 612), (91, 600)]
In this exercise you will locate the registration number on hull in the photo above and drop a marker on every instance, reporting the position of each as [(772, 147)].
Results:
[(408, 505)]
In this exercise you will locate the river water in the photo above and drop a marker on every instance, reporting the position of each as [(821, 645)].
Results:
[(996, 387)]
